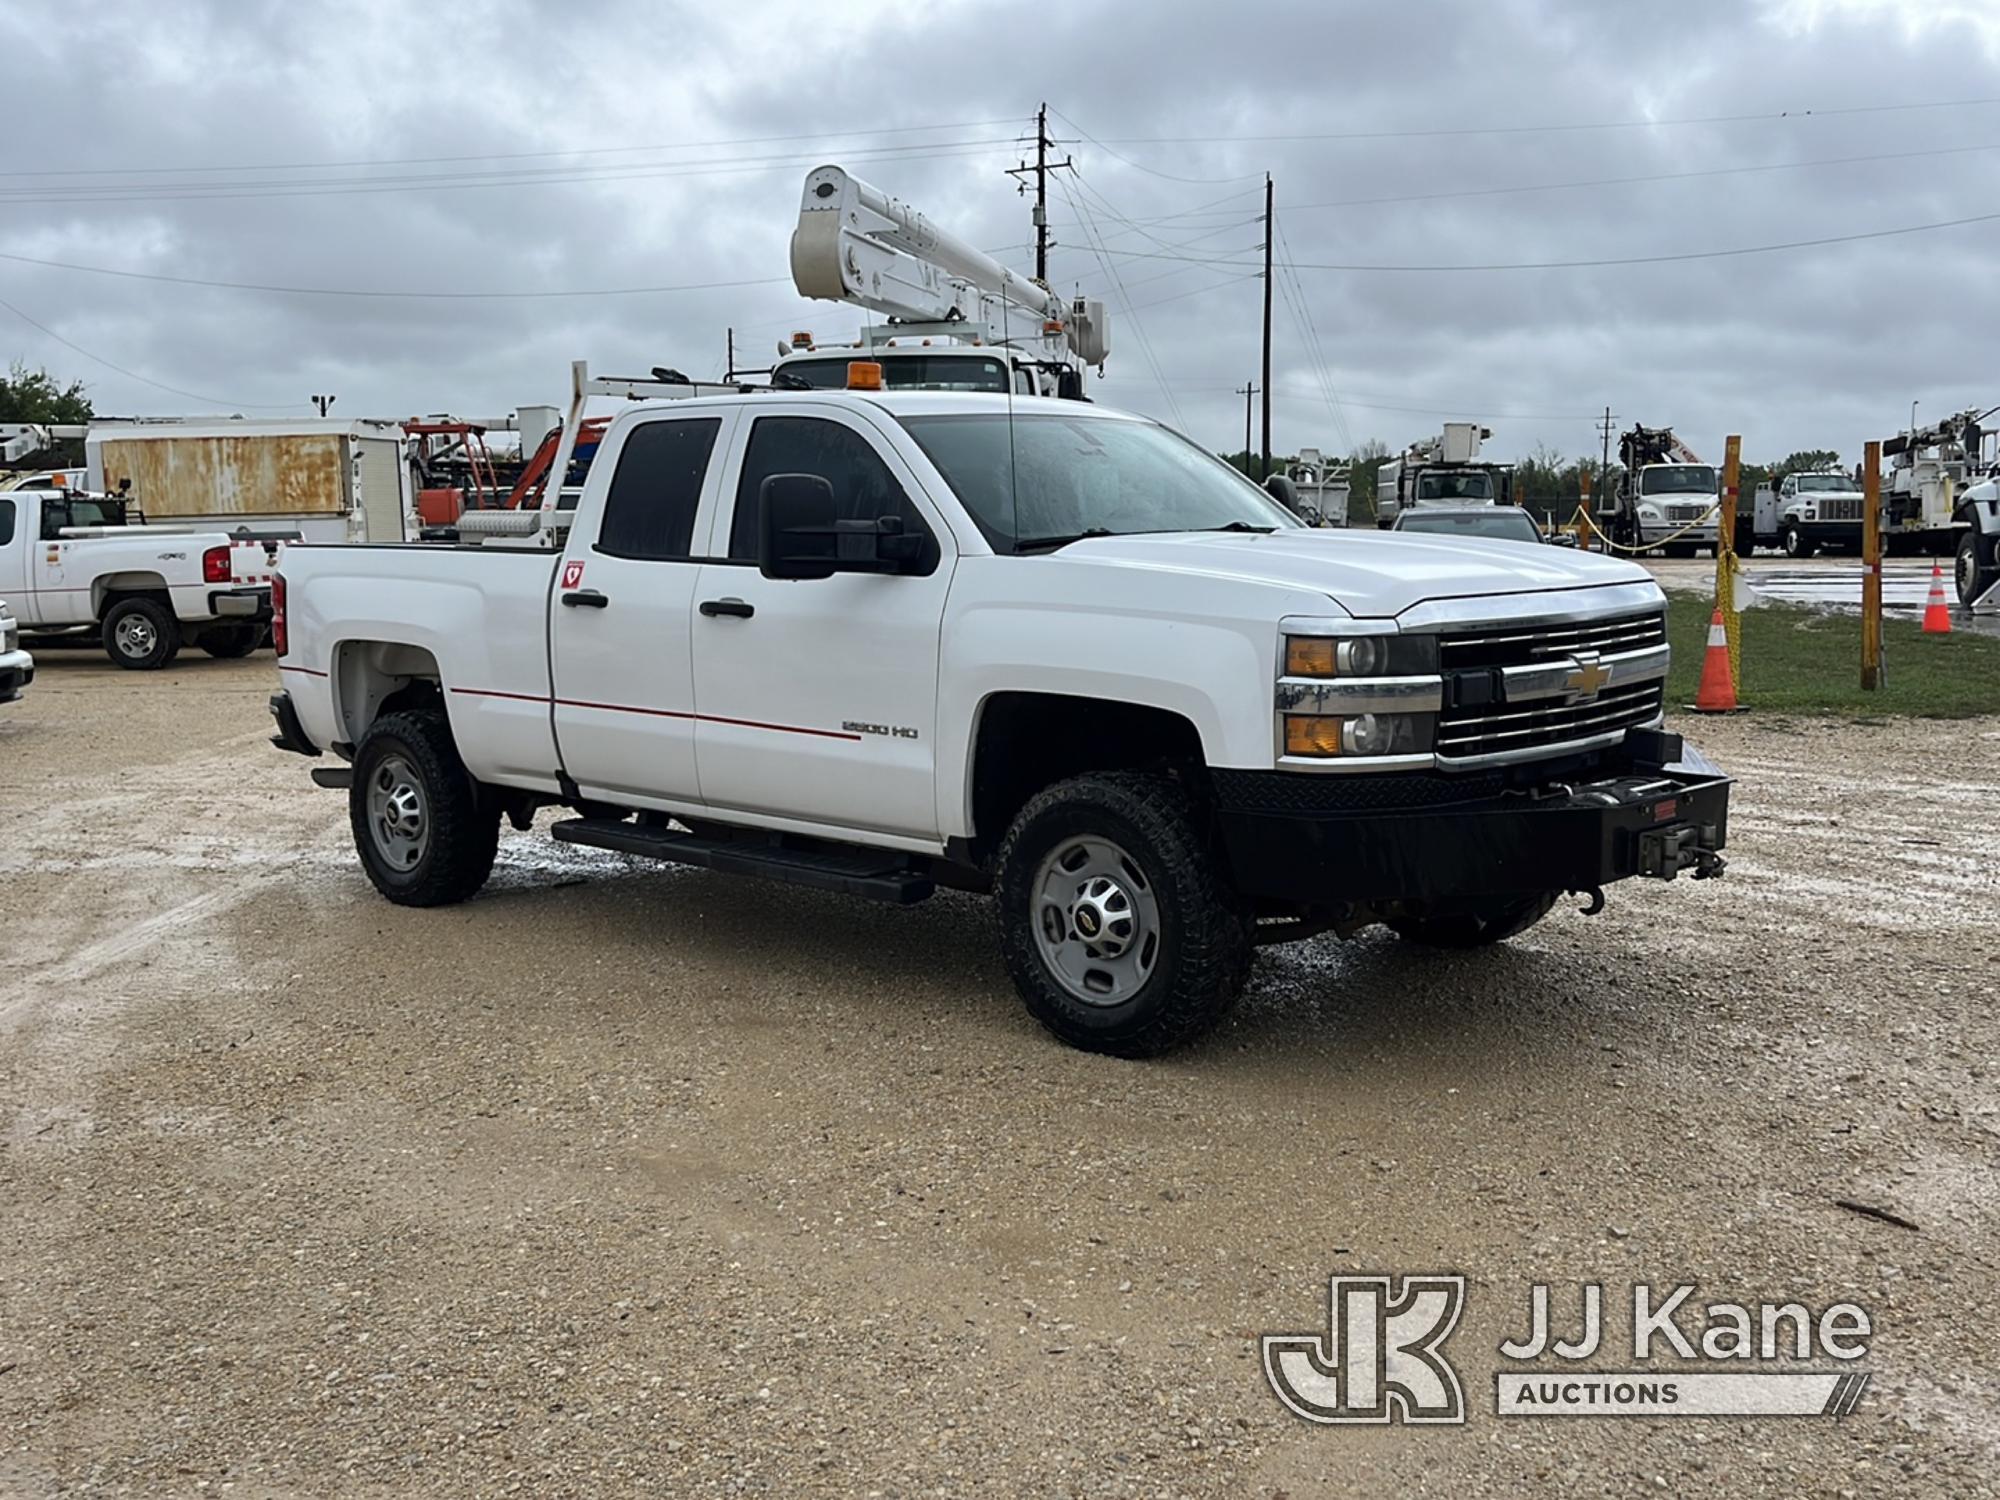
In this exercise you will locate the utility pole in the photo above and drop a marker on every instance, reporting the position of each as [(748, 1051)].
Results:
[(1041, 169), (1247, 391), (1268, 236), (1604, 464)]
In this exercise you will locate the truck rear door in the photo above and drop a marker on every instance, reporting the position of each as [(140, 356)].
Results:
[(622, 605), (818, 696)]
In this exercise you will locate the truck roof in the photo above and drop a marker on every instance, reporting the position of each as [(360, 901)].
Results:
[(909, 403)]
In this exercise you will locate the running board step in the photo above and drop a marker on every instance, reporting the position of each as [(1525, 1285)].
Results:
[(876, 874)]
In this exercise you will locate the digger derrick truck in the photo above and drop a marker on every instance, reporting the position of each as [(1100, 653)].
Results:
[(1442, 470), (1666, 496), (957, 320), (1938, 497)]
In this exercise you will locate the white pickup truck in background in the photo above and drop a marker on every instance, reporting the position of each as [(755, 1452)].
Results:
[(878, 642), (70, 563), (17, 668)]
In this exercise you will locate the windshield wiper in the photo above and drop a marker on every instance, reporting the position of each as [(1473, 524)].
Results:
[(1242, 526), (1050, 543)]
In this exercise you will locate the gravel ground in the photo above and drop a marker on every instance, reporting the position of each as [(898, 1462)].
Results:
[(627, 1180)]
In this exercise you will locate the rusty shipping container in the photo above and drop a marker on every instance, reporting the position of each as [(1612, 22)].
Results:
[(331, 481)]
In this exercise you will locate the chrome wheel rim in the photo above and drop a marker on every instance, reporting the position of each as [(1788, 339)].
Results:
[(1096, 920), (1968, 570), (398, 815), (136, 636)]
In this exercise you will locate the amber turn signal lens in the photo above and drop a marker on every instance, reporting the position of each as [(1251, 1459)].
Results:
[(1312, 734), (1308, 656)]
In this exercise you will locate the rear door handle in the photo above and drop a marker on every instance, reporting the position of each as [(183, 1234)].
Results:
[(585, 599), (733, 607)]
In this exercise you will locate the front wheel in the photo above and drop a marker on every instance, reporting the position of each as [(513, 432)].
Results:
[(1798, 546), (141, 635), (425, 834), (1976, 567), (1475, 929), (1117, 922)]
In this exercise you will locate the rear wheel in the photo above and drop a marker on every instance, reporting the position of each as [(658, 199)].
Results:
[(227, 642), (1117, 923), (1475, 929), (425, 832), (1977, 566), (141, 635)]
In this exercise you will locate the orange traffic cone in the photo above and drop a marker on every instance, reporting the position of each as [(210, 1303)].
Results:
[(1937, 614), (1717, 694)]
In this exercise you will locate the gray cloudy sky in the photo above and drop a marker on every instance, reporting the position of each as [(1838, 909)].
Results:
[(519, 147)]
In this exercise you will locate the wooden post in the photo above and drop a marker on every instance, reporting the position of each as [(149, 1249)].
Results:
[(1585, 537), (1871, 568), (1725, 558)]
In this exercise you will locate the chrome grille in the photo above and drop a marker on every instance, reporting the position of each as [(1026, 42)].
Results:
[(1528, 643), (1840, 510), (1466, 733), (1682, 514)]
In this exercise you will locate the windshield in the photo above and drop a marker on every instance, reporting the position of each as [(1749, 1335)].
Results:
[(1503, 522), (1447, 486), (1823, 484), (1074, 475), (907, 372), (1678, 479)]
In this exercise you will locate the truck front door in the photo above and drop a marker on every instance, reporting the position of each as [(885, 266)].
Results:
[(16, 547), (818, 696), (620, 612)]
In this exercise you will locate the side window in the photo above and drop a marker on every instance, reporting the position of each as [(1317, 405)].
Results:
[(55, 516), (6, 522), (649, 509), (863, 487)]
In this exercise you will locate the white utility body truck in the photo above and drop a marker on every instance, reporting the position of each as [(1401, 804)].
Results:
[(70, 563), (881, 641), (17, 668), (1810, 509), (1442, 470)]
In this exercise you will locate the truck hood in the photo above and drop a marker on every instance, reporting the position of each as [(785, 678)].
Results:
[(1369, 574)]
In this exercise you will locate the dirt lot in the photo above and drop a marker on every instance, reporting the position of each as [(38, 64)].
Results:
[(627, 1180)]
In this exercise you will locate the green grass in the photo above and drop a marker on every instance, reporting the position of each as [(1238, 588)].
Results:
[(1802, 660)]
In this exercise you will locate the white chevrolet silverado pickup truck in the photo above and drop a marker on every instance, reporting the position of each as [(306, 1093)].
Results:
[(883, 642), (71, 563)]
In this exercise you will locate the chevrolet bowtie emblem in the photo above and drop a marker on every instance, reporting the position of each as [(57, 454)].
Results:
[(1589, 676)]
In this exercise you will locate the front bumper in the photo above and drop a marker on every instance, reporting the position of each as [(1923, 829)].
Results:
[(1436, 843), (17, 670), (1665, 533)]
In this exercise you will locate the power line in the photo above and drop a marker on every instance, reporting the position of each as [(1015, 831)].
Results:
[(1141, 166), (449, 182), (1768, 116), (1623, 260), (1081, 209), (335, 291), (135, 375), (418, 161)]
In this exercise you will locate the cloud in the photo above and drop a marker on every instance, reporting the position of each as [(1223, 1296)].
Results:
[(512, 147)]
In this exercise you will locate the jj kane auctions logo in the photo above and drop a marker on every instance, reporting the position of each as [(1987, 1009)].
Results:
[(1382, 1357)]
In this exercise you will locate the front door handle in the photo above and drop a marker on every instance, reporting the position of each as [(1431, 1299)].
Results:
[(732, 607), (585, 599)]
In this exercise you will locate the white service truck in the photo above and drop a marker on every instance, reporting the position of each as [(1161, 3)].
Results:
[(1810, 509), (70, 564), (882, 641), (1666, 498)]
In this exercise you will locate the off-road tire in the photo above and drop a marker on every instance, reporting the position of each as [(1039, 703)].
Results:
[(464, 822), (165, 636), (228, 642), (1494, 924), (1976, 567), (1205, 928)]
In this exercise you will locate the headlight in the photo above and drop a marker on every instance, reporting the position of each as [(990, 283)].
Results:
[(1357, 734), (1359, 656), (1649, 512)]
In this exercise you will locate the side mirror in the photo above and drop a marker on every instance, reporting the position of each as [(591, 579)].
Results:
[(1283, 491), (800, 534)]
